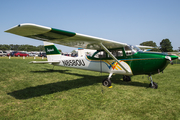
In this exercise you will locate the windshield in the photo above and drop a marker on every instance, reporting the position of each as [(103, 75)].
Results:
[(135, 48), (130, 50)]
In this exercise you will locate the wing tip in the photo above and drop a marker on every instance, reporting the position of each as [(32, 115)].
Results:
[(26, 29)]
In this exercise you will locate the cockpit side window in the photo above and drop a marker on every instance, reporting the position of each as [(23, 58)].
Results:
[(100, 54), (117, 53)]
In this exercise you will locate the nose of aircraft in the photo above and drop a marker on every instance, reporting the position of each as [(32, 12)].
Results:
[(171, 57)]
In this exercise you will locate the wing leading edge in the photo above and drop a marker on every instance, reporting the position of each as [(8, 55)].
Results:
[(62, 37)]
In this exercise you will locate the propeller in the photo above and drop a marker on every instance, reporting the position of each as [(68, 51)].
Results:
[(169, 58)]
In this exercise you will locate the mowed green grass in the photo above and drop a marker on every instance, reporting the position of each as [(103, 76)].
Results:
[(34, 91)]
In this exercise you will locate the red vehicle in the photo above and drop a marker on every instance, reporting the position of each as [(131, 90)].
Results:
[(20, 54)]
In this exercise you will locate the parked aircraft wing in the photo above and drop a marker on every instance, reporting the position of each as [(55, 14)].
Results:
[(62, 37)]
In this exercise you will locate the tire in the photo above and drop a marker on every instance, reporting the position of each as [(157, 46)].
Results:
[(106, 82), (155, 86)]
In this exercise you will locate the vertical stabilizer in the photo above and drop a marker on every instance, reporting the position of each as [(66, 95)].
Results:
[(51, 49), (52, 52)]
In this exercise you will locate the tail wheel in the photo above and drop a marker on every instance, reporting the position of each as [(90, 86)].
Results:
[(106, 82)]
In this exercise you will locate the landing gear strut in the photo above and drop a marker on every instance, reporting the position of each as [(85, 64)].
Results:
[(107, 82), (126, 78), (152, 84)]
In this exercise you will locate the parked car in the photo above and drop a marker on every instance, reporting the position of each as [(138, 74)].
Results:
[(20, 54), (3, 53), (42, 55), (8, 54), (33, 54), (11, 54)]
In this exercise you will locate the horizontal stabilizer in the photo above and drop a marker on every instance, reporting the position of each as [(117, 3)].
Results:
[(43, 62)]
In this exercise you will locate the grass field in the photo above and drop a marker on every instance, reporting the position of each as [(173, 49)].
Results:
[(34, 91)]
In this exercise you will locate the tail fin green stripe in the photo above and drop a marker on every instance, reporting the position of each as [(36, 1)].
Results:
[(51, 50)]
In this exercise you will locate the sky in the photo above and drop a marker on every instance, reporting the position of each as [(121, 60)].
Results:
[(125, 21)]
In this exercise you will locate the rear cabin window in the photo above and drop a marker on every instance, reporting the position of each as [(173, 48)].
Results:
[(103, 54), (117, 53)]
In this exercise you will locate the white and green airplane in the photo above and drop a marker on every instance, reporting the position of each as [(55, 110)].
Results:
[(111, 57)]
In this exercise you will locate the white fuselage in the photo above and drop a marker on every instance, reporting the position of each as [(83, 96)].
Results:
[(108, 66)]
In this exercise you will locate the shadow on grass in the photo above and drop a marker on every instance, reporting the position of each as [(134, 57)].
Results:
[(87, 80)]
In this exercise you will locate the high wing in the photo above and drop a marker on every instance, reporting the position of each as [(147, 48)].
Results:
[(67, 38), (63, 37), (145, 47)]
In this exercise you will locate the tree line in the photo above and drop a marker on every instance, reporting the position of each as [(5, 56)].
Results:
[(165, 45), (21, 47)]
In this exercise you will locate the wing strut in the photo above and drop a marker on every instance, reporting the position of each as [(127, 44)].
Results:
[(110, 54)]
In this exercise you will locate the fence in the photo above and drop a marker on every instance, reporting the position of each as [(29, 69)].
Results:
[(177, 61)]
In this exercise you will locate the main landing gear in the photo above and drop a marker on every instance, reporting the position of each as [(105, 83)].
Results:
[(126, 78), (152, 84), (107, 82)]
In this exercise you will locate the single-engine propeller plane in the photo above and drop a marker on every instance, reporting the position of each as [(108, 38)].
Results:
[(111, 57)]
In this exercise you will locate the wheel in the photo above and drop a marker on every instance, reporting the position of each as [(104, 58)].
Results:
[(126, 78), (106, 82), (155, 86)]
